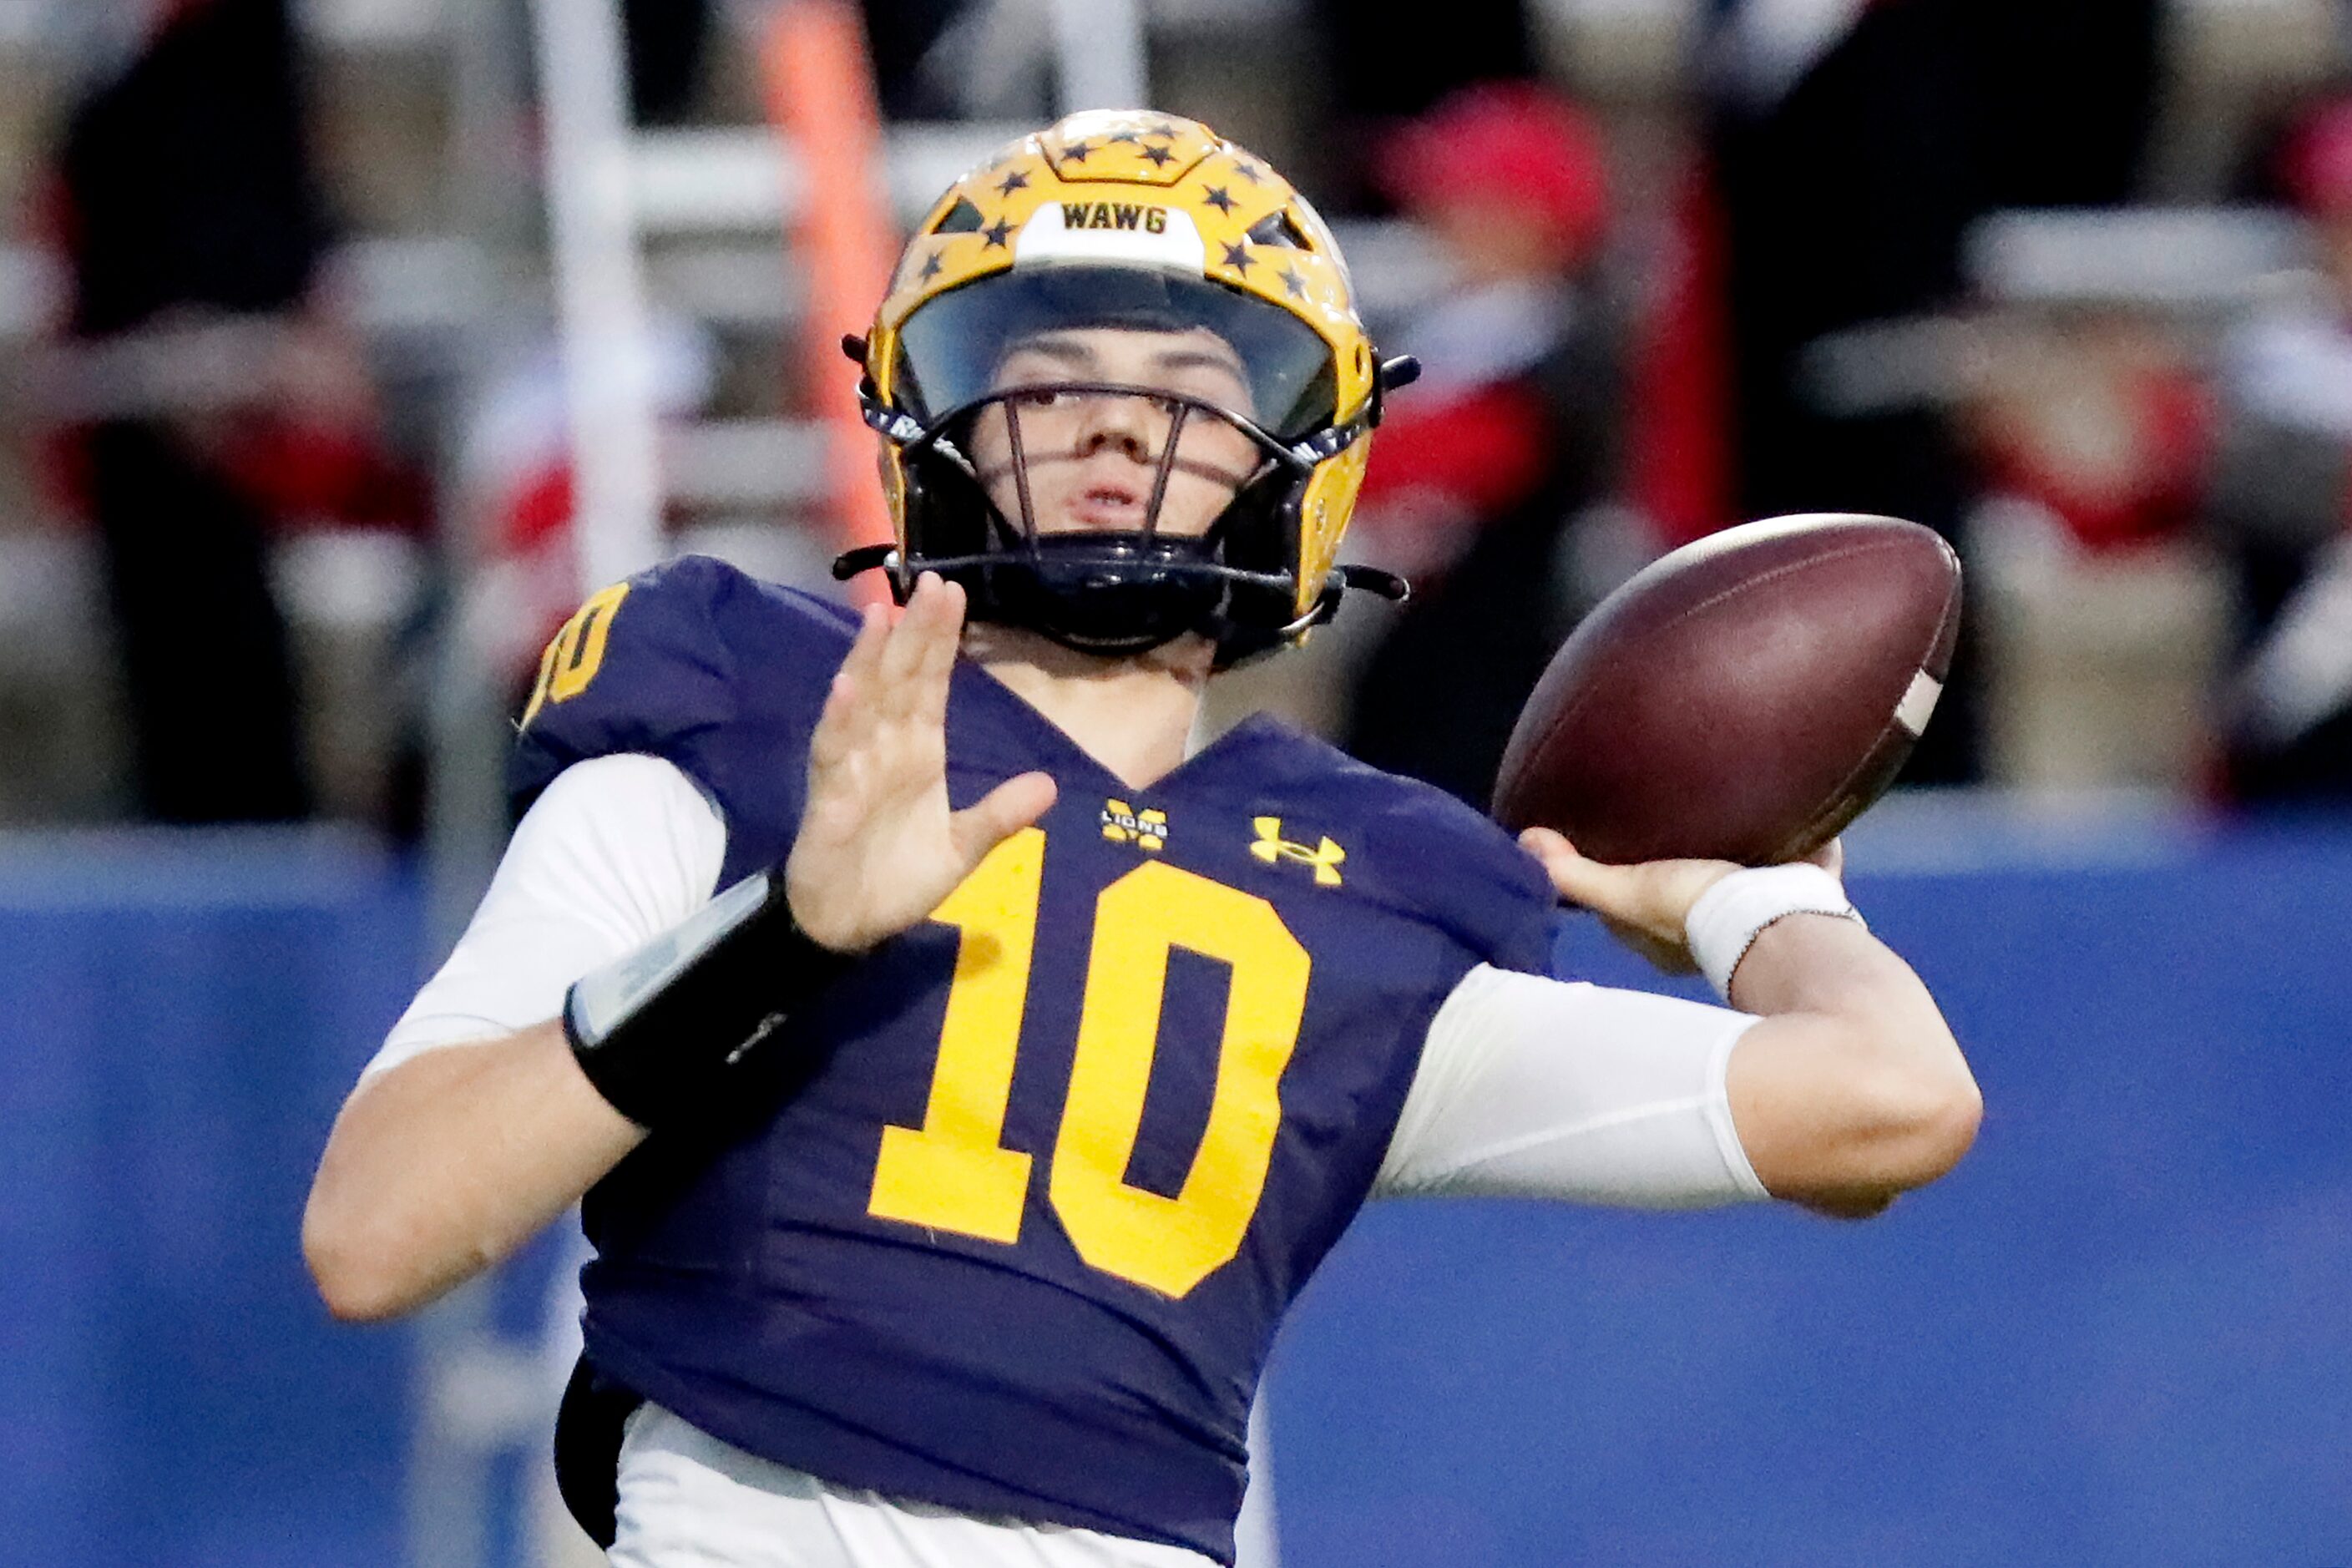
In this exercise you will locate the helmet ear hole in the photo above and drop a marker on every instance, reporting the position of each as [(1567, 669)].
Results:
[(1258, 539), (1257, 528), (948, 512)]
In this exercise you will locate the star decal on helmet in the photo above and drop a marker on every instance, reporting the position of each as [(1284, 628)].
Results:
[(1217, 198), (1078, 152), (932, 266), (1159, 155), (1249, 171), (1238, 258), (1015, 181), (996, 234), (1292, 281), (1164, 131), (1127, 136)]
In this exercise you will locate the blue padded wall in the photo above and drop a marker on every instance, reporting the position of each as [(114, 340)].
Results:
[(2121, 1333), (181, 1016)]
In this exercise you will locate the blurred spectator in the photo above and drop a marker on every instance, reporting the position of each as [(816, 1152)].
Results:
[(218, 401), (2283, 497), (1383, 73), (669, 45), (513, 481), (2099, 424), (1852, 145), (900, 35), (1487, 463), (667, 42), (2096, 607)]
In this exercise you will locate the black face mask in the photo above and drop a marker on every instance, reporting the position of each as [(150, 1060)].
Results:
[(1116, 593), (1101, 592), (1110, 591)]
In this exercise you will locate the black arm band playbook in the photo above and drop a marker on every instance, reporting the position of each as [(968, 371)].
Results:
[(656, 1032)]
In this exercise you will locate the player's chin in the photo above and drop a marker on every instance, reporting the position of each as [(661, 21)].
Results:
[(1083, 516)]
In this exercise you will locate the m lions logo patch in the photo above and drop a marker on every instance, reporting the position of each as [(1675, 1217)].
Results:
[(1146, 829)]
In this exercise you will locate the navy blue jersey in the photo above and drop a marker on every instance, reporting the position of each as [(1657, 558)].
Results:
[(1012, 1227)]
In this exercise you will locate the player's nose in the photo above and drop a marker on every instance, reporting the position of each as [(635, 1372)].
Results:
[(1127, 425)]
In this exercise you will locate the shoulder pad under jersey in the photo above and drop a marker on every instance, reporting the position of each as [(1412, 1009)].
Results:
[(664, 662), (1427, 850)]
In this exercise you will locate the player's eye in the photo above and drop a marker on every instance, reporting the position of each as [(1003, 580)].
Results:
[(1042, 398)]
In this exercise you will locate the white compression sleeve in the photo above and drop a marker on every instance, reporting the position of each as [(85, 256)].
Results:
[(615, 852), (1536, 1088)]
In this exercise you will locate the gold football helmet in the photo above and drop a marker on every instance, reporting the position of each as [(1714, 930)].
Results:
[(1135, 222)]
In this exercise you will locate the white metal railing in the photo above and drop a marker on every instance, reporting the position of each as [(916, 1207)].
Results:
[(384, 284), (1098, 50), (599, 289), (741, 178)]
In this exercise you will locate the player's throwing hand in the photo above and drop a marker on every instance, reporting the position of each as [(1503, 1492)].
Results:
[(878, 849), (1647, 906)]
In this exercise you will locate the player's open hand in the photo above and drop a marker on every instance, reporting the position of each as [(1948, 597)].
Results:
[(1646, 906), (879, 850)]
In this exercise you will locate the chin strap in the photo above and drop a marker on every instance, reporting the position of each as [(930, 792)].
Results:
[(1335, 583), (1367, 579), (1372, 580), (865, 558)]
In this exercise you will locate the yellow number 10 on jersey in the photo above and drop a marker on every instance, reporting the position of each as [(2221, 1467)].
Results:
[(954, 1175)]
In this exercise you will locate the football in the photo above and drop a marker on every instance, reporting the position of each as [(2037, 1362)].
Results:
[(1741, 698)]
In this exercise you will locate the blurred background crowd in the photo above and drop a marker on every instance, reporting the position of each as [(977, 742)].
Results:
[(298, 376)]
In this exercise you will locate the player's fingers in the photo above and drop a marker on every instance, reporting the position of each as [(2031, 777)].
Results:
[(933, 611), (936, 672), (830, 739), (1545, 844), (1001, 812), (921, 641), (864, 655), (1830, 857), (944, 607), (1550, 848), (847, 714), (1574, 877), (848, 698)]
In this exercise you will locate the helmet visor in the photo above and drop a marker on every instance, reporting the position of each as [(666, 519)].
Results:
[(1265, 365)]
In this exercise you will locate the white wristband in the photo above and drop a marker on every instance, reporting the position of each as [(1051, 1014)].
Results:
[(1730, 916)]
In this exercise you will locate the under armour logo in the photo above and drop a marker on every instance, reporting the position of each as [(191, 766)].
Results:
[(1144, 829), (1271, 847)]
